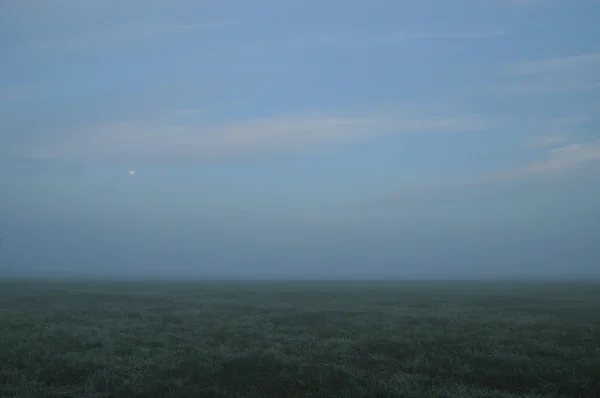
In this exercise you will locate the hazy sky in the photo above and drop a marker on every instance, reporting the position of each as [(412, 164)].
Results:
[(300, 138)]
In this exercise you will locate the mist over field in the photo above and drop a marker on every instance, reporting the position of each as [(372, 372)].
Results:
[(180, 229)]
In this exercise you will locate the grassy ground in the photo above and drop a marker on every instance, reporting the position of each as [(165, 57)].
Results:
[(76, 339)]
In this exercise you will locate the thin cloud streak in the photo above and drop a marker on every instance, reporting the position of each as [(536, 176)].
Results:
[(556, 159), (557, 64), (566, 158), (347, 40), (548, 140), (189, 111), (528, 2), (552, 75), (565, 121), (549, 86), (558, 130), (119, 35), (267, 135)]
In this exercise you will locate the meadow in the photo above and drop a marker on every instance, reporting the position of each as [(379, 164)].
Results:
[(299, 339)]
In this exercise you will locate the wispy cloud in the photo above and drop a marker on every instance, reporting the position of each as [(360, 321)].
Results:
[(129, 33), (365, 39), (519, 3), (559, 74), (558, 130), (557, 64), (560, 123), (189, 111), (556, 160), (549, 140), (265, 135), (550, 86), (135, 32), (566, 157), (527, 2)]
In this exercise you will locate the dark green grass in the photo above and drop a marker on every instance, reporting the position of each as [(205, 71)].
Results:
[(85, 339)]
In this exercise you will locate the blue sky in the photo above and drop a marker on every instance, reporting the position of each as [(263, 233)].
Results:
[(300, 138)]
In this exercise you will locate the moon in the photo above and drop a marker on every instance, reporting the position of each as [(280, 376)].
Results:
[(131, 172)]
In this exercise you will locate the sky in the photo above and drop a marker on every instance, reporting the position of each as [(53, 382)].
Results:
[(300, 139)]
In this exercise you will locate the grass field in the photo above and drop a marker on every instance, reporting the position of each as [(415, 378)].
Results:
[(301, 339)]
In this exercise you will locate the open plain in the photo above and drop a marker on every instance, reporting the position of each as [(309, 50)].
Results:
[(299, 339)]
